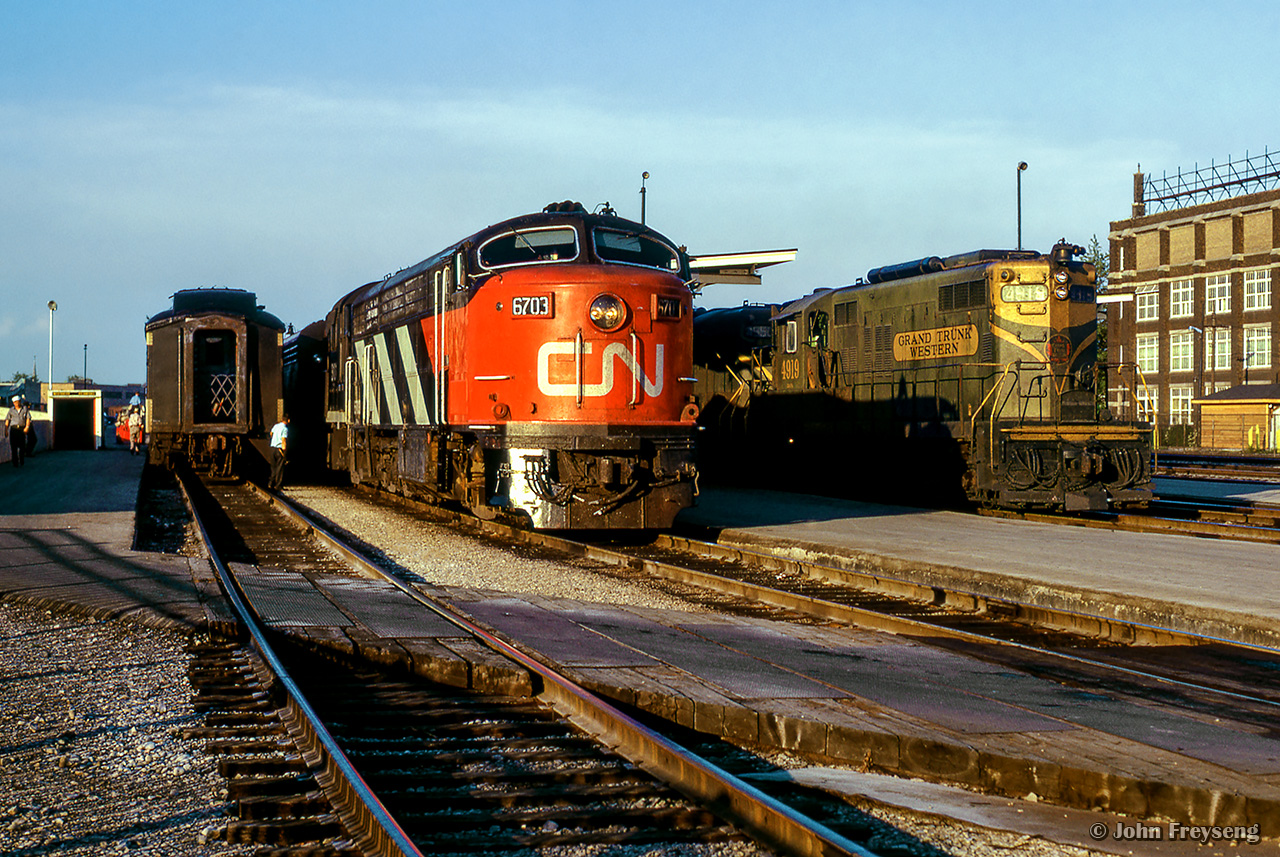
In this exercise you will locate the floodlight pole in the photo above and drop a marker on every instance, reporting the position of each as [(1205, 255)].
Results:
[(644, 176), (53, 307), (1022, 165)]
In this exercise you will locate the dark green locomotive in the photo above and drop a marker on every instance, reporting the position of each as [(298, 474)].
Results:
[(968, 377)]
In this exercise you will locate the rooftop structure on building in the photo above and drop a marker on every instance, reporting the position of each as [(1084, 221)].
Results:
[(1193, 271)]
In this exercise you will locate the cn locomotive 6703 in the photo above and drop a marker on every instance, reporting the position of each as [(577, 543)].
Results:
[(541, 367), (213, 382), (973, 376)]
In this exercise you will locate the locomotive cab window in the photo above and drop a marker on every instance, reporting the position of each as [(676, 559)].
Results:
[(630, 248), (530, 247), (792, 337), (817, 330)]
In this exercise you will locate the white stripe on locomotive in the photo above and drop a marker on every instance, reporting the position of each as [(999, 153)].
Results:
[(412, 377), (388, 378)]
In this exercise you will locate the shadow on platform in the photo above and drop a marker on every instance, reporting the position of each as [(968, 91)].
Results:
[(760, 508), (52, 483)]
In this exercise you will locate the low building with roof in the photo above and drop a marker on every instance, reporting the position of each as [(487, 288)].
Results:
[(1245, 417)]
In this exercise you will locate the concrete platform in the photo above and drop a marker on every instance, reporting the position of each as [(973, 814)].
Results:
[(873, 702), (66, 536), (1218, 588)]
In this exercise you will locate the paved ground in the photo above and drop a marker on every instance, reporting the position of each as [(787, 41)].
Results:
[(868, 701)]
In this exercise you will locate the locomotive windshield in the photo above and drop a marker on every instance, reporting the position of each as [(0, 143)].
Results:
[(530, 247), (630, 248)]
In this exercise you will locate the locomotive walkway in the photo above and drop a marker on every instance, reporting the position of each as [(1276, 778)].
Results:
[(862, 700)]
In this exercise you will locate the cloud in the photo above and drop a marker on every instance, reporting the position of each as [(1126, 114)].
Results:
[(302, 194)]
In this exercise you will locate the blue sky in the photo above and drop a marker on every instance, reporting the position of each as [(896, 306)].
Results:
[(300, 149)]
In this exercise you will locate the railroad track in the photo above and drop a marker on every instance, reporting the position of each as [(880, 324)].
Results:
[(1166, 669), (1254, 522), (330, 760), (1239, 681), (1228, 467)]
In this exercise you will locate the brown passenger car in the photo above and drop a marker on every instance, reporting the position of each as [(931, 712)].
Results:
[(213, 381)]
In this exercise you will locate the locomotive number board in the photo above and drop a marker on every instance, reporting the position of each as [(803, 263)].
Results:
[(532, 306)]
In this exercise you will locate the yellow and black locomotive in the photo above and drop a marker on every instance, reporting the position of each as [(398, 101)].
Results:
[(972, 376)]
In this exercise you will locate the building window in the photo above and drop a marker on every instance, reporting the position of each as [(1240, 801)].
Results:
[(1148, 402), (1148, 305), (1257, 347), (1217, 350), (1180, 351), (1180, 299), (1217, 294), (1180, 404), (1257, 290), (1148, 352)]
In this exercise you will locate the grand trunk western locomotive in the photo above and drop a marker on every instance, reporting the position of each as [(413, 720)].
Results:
[(973, 376)]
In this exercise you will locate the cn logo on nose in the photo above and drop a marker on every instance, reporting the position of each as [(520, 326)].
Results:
[(613, 353)]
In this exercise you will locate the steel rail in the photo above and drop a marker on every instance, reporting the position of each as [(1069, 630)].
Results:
[(740, 803), (378, 834)]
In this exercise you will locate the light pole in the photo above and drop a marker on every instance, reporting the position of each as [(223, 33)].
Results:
[(86, 362), (1022, 165), (1199, 369), (53, 307), (644, 176)]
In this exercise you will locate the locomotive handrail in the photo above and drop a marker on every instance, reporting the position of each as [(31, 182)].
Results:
[(973, 420)]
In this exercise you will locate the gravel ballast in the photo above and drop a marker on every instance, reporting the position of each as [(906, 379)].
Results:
[(91, 760)]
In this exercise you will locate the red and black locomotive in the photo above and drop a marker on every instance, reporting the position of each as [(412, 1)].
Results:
[(541, 367)]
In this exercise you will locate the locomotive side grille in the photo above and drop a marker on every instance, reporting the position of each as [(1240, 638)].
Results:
[(846, 313), (954, 296), (884, 348), (848, 363)]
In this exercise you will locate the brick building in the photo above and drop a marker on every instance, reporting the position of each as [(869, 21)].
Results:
[(1190, 298)]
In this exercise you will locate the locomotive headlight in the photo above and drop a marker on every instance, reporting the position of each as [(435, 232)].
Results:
[(1061, 277), (1061, 292), (608, 312)]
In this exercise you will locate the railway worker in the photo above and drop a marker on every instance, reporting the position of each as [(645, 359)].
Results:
[(17, 425), (279, 450), (135, 429)]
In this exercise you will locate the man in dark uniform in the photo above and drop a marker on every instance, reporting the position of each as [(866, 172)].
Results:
[(17, 423)]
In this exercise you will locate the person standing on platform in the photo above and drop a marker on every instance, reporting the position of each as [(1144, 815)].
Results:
[(279, 451), (17, 423), (135, 429)]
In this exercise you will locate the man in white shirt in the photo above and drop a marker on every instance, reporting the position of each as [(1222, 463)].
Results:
[(17, 422), (279, 448)]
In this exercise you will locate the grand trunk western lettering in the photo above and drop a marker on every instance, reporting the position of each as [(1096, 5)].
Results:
[(959, 341)]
